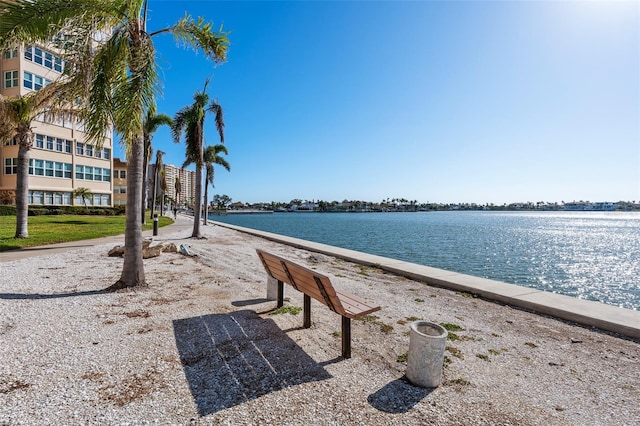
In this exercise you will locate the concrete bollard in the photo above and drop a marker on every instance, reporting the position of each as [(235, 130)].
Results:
[(427, 341), (155, 225)]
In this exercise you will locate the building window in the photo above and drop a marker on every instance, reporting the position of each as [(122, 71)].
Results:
[(79, 148), (79, 172), (57, 198), (123, 174), (44, 58), (59, 144), (39, 141), (8, 54), (36, 197), (38, 167), (37, 55), (11, 79), (50, 142), (38, 82), (59, 170), (67, 146), (106, 175), (10, 166), (35, 82), (48, 168), (48, 60), (88, 150), (80, 201), (28, 80), (48, 198), (67, 173), (106, 153)]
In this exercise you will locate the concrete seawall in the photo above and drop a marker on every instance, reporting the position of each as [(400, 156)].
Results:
[(625, 322)]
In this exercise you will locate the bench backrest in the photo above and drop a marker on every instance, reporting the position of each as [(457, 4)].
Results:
[(302, 279)]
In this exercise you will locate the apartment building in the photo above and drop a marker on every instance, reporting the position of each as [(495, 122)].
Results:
[(61, 160), (119, 182), (187, 191)]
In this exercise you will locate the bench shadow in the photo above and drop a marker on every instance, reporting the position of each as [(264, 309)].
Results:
[(232, 358), (250, 302), (398, 396)]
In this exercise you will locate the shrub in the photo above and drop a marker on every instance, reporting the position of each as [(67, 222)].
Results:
[(7, 210)]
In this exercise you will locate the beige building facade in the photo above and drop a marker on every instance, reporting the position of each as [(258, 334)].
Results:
[(61, 161)]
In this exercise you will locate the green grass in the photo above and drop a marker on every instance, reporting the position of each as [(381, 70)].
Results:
[(291, 310), (45, 230)]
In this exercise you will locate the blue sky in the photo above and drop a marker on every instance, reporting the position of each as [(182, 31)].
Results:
[(434, 101)]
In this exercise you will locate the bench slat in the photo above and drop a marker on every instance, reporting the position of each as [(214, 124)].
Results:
[(354, 306)]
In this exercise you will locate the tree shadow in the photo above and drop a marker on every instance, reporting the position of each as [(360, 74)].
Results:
[(398, 396), (35, 296), (232, 358)]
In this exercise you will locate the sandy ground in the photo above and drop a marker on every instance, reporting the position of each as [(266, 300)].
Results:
[(201, 345)]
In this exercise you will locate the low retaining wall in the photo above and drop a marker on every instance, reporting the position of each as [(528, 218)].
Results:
[(593, 314)]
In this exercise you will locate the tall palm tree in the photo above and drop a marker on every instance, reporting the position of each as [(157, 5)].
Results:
[(120, 77), (156, 176), (211, 157), (190, 120), (151, 124), (178, 189), (163, 187)]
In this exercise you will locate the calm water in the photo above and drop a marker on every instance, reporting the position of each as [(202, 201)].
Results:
[(590, 255)]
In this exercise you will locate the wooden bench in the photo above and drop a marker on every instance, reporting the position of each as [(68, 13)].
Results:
[(318, 286)]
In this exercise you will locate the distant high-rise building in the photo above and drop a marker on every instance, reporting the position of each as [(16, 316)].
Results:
[(187, 178)]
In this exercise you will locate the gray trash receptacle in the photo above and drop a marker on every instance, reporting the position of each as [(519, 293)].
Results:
[(272, 288), (427, 341)]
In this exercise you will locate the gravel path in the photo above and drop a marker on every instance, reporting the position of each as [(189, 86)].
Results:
[(200, 345)]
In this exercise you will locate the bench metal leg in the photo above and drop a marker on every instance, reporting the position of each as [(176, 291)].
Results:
[(307, 311), (346, 337), (280, 294)]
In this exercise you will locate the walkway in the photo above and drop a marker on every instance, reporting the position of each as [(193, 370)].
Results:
[(183, 223)]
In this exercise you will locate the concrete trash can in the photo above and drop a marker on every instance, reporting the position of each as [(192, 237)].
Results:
[(426, 354), (272, 288)]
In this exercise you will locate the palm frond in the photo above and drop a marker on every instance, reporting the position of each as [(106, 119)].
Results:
[(32, 21), (219, 118), (200, 35)]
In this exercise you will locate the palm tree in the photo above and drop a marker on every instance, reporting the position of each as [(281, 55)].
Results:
[(163, 187), (151, 124), (16, 117), (211, 157), (178, 189), (84, 193), (120, 77), (190, 120), (156, 175)]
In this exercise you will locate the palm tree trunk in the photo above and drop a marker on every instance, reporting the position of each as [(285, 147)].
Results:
[(133, 268), (145, 163), (197, 204), (206, 201), (22, 190), (155, 185)]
